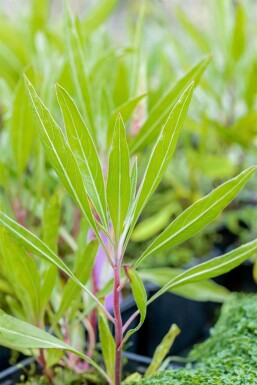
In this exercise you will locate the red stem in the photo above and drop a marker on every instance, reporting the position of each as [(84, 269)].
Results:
[(134, 315), (118, 323)]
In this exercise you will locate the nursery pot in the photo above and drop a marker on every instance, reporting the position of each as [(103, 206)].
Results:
[(193, 318), (11, 375), (4, 358)]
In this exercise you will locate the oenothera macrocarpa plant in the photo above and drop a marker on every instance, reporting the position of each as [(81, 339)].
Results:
[(112, 208)]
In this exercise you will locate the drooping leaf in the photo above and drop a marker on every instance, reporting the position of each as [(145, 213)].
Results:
[(162, 153), (140, 297), (159, 114), (210, 269), (197, 291), (85, 152), (19, 335), (60, 154), (197, 216), (162, 350), (107, 345), (118, 182)]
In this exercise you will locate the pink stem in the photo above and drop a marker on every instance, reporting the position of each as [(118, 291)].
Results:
[(129, 321), (118, 322)]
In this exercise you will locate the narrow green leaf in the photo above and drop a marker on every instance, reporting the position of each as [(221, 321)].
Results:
[(19, 335), (162, 350), (162, 153), (99, 14), (210, 269), (136, 58), (60, 154), (239, 35), (85, 152), (197, 216), (159, 114), (118, 183), (77, 68), (21, 271), (71, 290), (39, 248), (140, 296), (107, 345), (22, 128), (197, 291)]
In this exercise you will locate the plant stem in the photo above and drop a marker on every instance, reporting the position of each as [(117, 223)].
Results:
[(118, 322)]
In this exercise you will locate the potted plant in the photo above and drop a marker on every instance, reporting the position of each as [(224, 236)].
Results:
[(59, 304), (77, 164)]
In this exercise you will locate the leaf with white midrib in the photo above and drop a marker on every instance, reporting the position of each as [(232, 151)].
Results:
[(210, 269), (161, 154), (85, 151), (118, 182), (216, 201), (60, 155)]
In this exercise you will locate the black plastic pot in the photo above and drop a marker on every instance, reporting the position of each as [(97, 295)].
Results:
[(4, 358), (11, 375), (193, 318), (133, 363)]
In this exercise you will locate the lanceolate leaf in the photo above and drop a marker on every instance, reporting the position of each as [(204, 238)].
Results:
[(197, 291), (19, 335), (78, 73), (151, 128), (140, 296), (36, 246), (162, 153), (107, 345), (198, 215), (118, 183), (210, 269), (85, 152), (60, 154)]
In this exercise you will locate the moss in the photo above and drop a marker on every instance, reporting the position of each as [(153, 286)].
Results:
[(228, 357)]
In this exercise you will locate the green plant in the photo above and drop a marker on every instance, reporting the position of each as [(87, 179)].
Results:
[(75, 159), (228, 356), (95, 161), (220, 129)]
